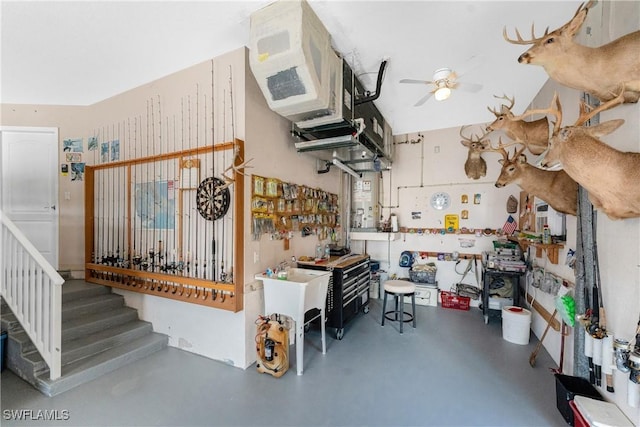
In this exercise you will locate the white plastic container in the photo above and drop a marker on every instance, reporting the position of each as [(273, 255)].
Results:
[(599, 413), (516, 324)]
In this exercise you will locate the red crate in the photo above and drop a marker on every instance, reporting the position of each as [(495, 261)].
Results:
[(452, 300)]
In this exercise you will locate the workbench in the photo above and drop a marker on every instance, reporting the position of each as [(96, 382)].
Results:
[(348, 291)]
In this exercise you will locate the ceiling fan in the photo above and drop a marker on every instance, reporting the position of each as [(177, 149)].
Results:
[(444, 80)]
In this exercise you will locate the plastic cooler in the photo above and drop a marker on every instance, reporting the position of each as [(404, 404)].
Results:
[(591, 412), (567, 387)]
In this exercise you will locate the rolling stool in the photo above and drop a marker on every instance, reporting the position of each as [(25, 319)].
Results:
[(399, 289)]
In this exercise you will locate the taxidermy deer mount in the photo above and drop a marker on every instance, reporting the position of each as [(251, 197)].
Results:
[(602, 71), (534, 134), (475, 166), (610, 176), (554, 187)]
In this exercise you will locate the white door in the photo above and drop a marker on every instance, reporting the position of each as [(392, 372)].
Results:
[(30, 185)]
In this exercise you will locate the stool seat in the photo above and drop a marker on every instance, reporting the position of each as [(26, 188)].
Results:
[(399, 289)]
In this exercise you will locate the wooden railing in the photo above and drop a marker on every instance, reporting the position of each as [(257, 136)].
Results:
[(33, 290)]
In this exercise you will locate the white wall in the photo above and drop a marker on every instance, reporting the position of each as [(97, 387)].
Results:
[(418, 171)]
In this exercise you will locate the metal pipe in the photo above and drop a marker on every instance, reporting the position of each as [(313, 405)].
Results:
[(375, 96)]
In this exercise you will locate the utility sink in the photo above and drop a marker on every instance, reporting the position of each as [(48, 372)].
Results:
[(302, 290), (293, 276)]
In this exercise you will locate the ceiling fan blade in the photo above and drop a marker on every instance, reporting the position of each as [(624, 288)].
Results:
[(469, 87), (423, 82), (423, 100)]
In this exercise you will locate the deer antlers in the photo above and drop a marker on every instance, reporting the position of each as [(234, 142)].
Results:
[(587, 111), (470, 139), (501, 148), (534, 39), (504, 107)]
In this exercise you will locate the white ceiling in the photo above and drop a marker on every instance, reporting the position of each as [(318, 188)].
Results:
[(79, 53)]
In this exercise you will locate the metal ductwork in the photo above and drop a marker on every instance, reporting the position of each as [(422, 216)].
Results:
[(333, 116)]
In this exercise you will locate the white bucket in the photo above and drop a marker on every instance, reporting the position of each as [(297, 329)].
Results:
[(516, 324)]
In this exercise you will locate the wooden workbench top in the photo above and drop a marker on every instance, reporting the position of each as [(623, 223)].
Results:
[(336, 261)]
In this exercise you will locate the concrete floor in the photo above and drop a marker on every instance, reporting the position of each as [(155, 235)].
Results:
[(452, 370)]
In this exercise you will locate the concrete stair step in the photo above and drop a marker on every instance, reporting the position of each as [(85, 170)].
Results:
[(86, 325), (85, 306), (87, 369), (74, 289), (9, 321), (98, 342)]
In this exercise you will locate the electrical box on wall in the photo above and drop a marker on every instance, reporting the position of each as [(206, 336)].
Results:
[(364, 202)]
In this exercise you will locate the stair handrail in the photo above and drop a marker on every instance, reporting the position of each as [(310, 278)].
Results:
[(32, 288)]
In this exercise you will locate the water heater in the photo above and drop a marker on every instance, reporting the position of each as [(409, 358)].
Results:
[(365, 211)]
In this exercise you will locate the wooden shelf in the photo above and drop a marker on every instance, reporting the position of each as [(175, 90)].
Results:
[(551, 250)]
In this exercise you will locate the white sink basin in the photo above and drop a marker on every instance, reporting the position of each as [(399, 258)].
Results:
[(294, 276)]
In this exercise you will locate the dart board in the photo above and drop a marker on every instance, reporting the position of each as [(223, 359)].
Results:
[(212, 198)]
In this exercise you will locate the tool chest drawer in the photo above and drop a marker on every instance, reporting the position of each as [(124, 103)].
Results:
[(348, 292)]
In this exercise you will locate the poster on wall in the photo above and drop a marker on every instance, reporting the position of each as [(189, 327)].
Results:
[(73, 157), (115, 150), (72, 145), (104, 152), (77, 171), (451, 222), (92, 143), (155, 204)]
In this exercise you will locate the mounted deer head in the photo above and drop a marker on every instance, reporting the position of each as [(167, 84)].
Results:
[(475, 166), (534, 134), (554, 187), (610, 176), (603, 71)]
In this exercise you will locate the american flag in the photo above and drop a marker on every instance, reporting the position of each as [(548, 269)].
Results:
[(509, 226)]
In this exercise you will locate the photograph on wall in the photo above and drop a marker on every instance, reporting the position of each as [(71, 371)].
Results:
[(73, 157), (72, 144), (92, 143), (115, 150), (155, 205), (64, 169), (104, 152), (77, 171)]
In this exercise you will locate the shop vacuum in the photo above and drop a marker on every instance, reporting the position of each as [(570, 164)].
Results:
[(272, 347)]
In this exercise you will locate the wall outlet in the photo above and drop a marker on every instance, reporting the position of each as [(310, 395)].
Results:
[(436, 149), (256, 257)]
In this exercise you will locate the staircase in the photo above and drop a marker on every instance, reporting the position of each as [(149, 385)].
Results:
[(99, 334)]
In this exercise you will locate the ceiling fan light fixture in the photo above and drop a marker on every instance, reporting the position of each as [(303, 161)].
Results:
[(442, 93)]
